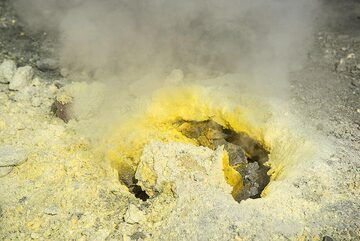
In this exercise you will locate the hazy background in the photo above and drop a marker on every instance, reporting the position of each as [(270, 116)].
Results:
[(129, 40)]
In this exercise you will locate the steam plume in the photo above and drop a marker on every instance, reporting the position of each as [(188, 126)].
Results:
[(131, 39)]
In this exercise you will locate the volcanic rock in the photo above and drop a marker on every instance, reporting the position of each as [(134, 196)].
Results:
[(63, 110), (47, 64), (22, 77), (134, 215), (7, 71)]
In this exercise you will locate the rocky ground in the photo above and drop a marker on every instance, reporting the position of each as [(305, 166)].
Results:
[(55, 185)]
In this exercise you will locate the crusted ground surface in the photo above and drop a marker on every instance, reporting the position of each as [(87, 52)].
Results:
[(56, 182)]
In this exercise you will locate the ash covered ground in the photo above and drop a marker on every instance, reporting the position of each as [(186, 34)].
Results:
[(55, 184)]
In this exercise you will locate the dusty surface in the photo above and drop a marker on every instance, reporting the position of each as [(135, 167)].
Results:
[(57, 183)]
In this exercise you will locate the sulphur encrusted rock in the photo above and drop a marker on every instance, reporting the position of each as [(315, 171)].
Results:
[(134, 215), (174, 168)]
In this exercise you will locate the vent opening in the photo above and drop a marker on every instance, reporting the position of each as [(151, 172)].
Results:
[(245, 155), (244, 166), (134, 188)]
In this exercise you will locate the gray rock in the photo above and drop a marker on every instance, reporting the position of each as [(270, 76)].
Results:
[(47, 64), (253, 191), (11, 156), (236, 154), (51, 210), (22, 77), (5, 170), (63, 111)]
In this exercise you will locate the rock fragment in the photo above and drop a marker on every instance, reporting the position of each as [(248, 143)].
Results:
[(134, 215), (22, 77), (236, 154), (63, 110), (51, 210), (7, 71), (12, 156), (34, 236), (47, 64)]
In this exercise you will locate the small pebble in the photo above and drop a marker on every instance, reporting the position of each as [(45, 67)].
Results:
[(22, 77), (134, 215), (51, 210), (350, 56), (63, 111), (47, 64), (11, 156), (34, 236), (198, 176)]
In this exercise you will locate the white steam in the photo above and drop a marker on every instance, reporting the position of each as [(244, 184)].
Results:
[(130, 39)]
